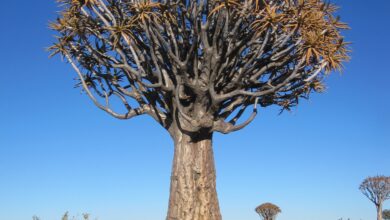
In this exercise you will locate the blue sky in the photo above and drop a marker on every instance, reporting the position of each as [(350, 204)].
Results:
[(58, 152)]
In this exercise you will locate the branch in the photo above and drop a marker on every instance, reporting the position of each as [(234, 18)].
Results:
[(228, 127), (130, 114)]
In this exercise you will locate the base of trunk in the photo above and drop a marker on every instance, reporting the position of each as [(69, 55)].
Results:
[(193, 194)]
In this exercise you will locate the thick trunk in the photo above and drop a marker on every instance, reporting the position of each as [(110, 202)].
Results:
[(379, 212), (193, 194)]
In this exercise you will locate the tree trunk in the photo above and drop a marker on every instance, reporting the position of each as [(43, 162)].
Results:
[(379, 212), (193, 194)]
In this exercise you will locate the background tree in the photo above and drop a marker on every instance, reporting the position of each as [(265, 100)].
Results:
[(65, 216), (377, 189), (386, 214), (268, 211), (196, 67)]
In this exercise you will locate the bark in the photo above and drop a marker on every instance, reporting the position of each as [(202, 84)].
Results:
[(193, 194), (379, 212)]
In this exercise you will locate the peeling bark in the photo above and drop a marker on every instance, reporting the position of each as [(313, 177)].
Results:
[(193, 194)]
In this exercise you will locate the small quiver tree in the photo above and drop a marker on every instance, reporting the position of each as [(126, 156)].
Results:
[(268, 211), (376, 189), (386, 214), (196, 67), (65, 216)]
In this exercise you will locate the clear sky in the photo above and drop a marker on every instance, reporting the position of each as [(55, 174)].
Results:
[(58, 152)]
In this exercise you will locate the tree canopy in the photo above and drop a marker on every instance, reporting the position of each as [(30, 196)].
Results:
[(268, 211), (376, 189), (201, 63)]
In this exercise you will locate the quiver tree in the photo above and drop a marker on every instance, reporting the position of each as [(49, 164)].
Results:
[(377, 189), (268, 211), (386, 214), (196, 67)]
